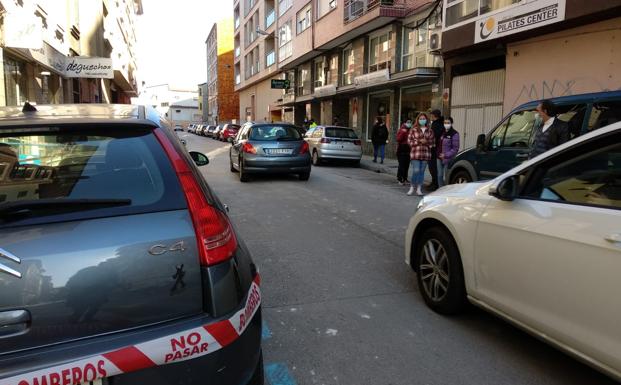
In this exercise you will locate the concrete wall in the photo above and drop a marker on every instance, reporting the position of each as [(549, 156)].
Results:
[(574, 61)]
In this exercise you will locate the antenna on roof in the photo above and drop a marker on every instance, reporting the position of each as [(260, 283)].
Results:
[(29, 108)]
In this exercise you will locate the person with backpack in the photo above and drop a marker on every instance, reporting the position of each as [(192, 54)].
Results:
[(447, 149)]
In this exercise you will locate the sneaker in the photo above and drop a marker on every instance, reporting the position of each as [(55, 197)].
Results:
[(382, 161), (400, 183), (419, 191), (374, 160), (411, 191)]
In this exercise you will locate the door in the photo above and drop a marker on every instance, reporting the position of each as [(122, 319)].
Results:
[(551, 258)]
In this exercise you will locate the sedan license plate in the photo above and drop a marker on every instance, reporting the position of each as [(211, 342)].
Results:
[(279, 151)]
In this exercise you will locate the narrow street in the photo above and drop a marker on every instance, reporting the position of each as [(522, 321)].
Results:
[(341, 306)]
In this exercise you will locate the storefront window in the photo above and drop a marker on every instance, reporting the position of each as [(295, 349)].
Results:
[(304, 80), (379, 106), (414, 100), (15, 85)]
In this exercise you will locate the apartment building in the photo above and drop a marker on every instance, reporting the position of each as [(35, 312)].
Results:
[(500, 54), (48, 46), (353, 61), (222, 99), (255, 52), (203, 100)]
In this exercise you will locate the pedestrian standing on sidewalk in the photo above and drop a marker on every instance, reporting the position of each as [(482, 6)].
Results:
[(447, 149), (438, 129), (421, 139), (379, 137), (403, 152)]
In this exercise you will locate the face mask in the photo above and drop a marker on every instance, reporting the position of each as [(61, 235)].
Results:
[(422, 122), (408, 125), (538, 119), (447, 127)]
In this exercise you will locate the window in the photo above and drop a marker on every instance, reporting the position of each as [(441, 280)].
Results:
[(270, 17), (458, 11), (318, 133), (271, 133), (304, 18), (325, 6), (285, 48), (318, 69), (380, 52), (270, 59), (587, 175), (516, 131), (283, 6), (348, 66), (338, 132), (409, 37), (492, 5), (603, 114), (15, 82), (304, 80)]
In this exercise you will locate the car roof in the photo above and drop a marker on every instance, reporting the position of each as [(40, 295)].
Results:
[(78, 113), (572, 99)]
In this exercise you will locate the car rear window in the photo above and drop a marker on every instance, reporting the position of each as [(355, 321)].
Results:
[(80, 172), (274, 132), (338, 132)]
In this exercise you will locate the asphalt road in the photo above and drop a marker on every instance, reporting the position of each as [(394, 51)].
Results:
[(340, 305)]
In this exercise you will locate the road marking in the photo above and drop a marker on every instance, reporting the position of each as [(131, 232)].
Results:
[(278, 374), (216, 152)]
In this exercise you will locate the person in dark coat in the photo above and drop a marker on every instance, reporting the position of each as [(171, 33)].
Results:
[(437, 125), (403, 152), (549, 130), (379, 137)]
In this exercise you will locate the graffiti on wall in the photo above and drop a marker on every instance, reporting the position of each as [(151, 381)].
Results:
[(560, 87)]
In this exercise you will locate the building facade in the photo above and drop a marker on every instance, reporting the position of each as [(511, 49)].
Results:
[(203, 100), (223, 100), (177, 105), (501, 54), (46, 45)]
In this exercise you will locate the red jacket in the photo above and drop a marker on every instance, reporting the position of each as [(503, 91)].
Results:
[(420, 151)]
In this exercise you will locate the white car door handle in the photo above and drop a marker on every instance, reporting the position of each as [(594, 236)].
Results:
[(613, 238)]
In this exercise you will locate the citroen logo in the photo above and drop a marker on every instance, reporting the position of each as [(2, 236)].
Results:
[(5, 269)]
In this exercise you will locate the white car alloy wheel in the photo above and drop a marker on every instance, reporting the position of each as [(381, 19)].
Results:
[(434, 270), (440, 273)]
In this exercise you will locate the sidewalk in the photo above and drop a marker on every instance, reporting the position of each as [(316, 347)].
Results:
[(389, 167)]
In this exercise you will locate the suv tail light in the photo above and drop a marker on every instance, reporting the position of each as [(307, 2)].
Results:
[(324, 140), (304, 148), (214, 233), (249, 148), (358, 142)]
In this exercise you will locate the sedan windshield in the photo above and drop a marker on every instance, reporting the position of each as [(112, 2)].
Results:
[(271, 133)]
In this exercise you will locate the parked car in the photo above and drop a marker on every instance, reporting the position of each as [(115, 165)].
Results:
[(229, 132), (178, 128), (216, 132), (116, 257), (510, 142), (208, 132), (539, 245), (334, 143), (199, 129), (269, 148)]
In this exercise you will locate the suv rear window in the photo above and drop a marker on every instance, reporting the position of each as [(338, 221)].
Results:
[(338, 132), (274, 132), (80, 172)]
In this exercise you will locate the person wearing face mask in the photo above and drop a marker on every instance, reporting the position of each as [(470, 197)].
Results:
[(403, 152), (447, 149), (421, 140), (549, 130), (438, 129), (379, 137)]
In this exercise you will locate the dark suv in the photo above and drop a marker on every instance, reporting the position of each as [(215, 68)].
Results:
[(117, 261), (509, 143)]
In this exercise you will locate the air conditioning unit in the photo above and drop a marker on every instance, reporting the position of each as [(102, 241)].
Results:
[(435, 43)]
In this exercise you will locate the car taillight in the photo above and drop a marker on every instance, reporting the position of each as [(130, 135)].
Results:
[(249, 148), (214, 233), (358, 142), (324, 140), (304, 148)]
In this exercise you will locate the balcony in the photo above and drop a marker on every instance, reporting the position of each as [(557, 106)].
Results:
[(353, 9), (270, 59)]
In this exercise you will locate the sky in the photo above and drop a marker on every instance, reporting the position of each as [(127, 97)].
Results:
[(171, 40)]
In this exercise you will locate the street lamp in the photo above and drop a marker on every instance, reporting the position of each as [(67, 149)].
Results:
[(261, 32)]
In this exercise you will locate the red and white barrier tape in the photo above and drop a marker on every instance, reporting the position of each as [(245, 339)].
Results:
[(176, 347)]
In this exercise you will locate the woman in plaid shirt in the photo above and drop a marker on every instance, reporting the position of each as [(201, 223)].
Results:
[(421, 140)]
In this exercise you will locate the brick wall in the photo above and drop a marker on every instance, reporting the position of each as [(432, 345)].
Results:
[(228, 99)]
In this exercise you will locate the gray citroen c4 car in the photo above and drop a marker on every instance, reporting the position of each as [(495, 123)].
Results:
[(118, 264)]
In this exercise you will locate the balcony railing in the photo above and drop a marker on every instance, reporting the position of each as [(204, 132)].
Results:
[(270, 59), (353, 9), (270, 18)]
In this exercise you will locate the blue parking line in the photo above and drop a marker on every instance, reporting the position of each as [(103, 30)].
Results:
[(278, 374), (265, 332)]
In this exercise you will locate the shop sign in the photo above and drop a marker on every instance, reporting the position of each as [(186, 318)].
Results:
[(22, 29), (91, 67), (327, 90), (519, 19), (49, 57), (373, 78)]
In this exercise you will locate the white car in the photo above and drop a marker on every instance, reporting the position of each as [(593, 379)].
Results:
[(539, 246)]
